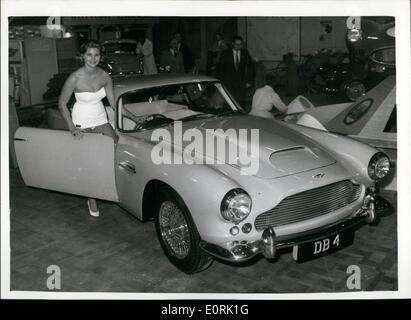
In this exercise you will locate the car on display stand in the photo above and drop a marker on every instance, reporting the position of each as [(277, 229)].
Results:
[(262, 186)]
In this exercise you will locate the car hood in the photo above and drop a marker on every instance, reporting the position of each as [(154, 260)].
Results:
[(279, 151)]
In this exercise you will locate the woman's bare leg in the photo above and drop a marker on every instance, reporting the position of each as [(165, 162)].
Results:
[(107, 130)]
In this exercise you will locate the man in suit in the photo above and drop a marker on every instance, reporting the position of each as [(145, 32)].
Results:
[(188, 56), (171, 60), (235, 69), (214, 53)]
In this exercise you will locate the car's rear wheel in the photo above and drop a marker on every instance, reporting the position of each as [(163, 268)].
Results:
[(178, 235)]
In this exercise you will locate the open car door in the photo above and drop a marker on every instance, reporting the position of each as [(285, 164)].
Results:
[(55, 160)]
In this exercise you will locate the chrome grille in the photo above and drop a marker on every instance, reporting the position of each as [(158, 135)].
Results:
[(310, 204)]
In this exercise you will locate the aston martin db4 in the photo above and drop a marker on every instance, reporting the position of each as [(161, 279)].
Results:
[(217, 182)]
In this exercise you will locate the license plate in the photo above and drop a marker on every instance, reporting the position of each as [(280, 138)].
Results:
[(318, 248)]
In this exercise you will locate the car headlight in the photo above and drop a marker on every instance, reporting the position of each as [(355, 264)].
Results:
[(353, 35), (378, 166), (236, 205)]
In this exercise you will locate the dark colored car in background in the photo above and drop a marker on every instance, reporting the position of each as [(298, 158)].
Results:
[(371, 59), (119, 57), (350, 80)]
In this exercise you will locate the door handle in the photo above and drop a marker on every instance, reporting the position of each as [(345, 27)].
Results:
[(127, 166)]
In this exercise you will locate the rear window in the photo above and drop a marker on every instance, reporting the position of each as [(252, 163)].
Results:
[(119, 47)]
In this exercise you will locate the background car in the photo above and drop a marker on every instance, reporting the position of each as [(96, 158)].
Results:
[(119, 57), (349, 80), (310, 187), (371, 59)]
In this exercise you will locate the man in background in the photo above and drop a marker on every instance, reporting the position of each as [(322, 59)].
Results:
[(188, 56), (214, 53), (171, 60), (235, 69)]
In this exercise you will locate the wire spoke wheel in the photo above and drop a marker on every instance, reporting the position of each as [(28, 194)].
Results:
[(178, 234), (174, 229)]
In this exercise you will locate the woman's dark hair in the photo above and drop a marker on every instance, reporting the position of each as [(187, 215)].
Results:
[(89, 44)]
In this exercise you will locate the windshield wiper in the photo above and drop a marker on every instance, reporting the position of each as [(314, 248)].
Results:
[(231, 112), (197, 116)]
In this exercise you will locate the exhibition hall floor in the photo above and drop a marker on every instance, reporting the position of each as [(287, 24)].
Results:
[(117, 253)]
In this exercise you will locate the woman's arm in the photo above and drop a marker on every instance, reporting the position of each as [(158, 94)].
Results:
[(109, 90), (278, 103), (65, 95)]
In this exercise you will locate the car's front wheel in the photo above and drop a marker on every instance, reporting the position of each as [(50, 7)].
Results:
[(178, 235)]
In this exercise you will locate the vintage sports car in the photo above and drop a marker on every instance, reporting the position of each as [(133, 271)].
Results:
[(349, 80), (119, 57), (309, 190)]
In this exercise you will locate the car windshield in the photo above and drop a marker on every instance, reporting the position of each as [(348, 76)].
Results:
[(159, 106), (119, 47)]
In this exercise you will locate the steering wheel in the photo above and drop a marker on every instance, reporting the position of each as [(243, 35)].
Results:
[(140, 125)]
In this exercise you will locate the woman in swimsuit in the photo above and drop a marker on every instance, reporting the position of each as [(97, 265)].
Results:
[(90, 84)]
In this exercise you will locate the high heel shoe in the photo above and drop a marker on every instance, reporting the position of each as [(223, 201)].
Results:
[(92, 213)]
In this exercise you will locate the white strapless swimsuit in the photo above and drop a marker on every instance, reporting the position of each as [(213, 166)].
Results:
[(89, 111)]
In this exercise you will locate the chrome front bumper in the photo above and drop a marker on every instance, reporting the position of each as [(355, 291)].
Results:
[(270, 243)]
